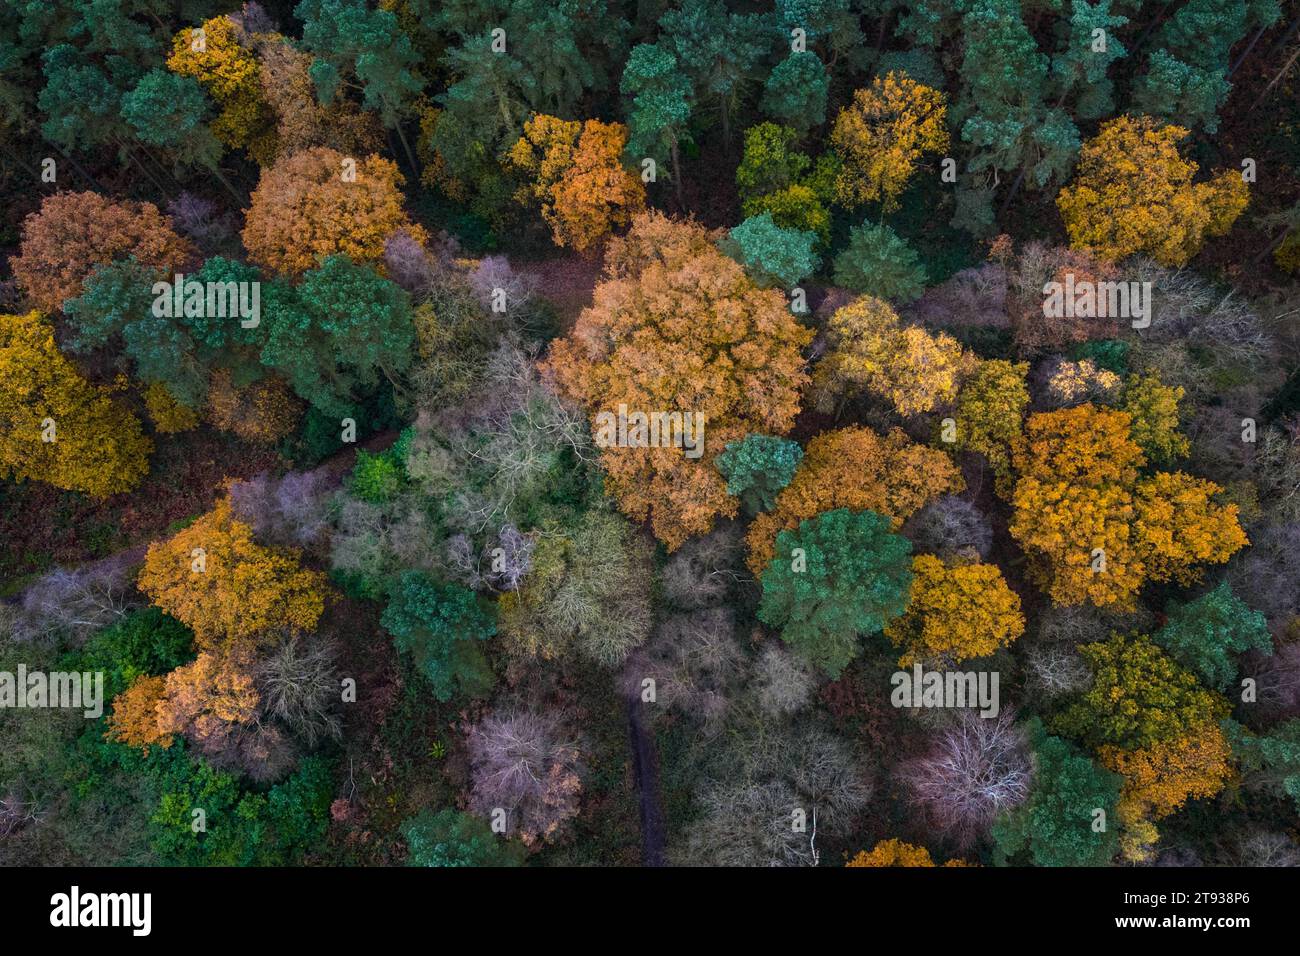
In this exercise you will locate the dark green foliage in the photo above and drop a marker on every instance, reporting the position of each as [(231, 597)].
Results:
[(1204, 635), (795, 92), (146, 641), (757, 467), (1269, 761), (838, 575), (878, 262), (453, 838), (1058, 825), (338, 334), (1110, 354), (440, 625)]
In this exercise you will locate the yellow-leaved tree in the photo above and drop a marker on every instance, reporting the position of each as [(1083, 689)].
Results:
[(869, 349), (955, 613), (881, 136), (57, 427), (234, 593), (1133, 193), (1094, 528)]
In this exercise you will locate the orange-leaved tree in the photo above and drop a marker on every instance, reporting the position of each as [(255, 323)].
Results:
[(575, 171), (897, 853), (318, 203), (134, 720), (677, 327), (1133, 193), (57, 427), (855, 468), (1094, 528), (232, 592), (72, 233)]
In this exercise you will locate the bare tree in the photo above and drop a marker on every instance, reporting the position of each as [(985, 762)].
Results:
[(299, 689), (975, 769), (527, 765), (75, 603)]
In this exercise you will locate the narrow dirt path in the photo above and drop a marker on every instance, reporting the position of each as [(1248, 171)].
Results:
[(645, 770)]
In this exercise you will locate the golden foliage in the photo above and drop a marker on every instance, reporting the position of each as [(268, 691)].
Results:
[(897, 853), (1160, 778), (1093, 529), (168, 415), (912, 368), (231, 591), (956, 613), (855, 468), (1076, 381), (230, 75), (575, 172), (203, 698), (57, 427), (881, 136), (1133, 193), (1153, 408), (675, 326), (304, 210)]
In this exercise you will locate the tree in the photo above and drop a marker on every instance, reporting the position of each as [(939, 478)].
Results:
[(440, 626), (575, 171), (662, 100), (955, 613), (336, 208), (217, 59), (134, 718), (879, 263), (1139, 696), (1203, 634), (718, 50), (990, 413), (895, 852), (343, 330), (795, 92), (1133, 193), (857, 469), (1079, 69), (757, 468), (794, 207), (881, 137), (231, 591), (585, 591), (528, 764), (1160, 778), (677, 326), (1271, 761), (168, 110), (57, 427), (868, 349), (768, 163), (1066, 819), (1003, 112), (263, 412), (452, 838), (973, 772), (772, 256), (952, 528), (74, 232), (1187, 74), (838, 575), (1092, 528), (1153, 408)]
